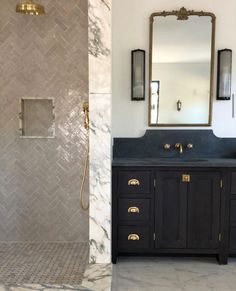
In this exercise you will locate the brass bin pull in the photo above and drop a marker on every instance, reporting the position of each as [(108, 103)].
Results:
[(133, 236), (133, 182), (133, 209), (186, 178)]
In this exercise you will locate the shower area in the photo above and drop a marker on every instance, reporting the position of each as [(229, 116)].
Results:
[(44, 232)]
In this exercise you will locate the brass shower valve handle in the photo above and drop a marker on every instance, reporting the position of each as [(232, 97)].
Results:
[(190, 146), (167, 146)]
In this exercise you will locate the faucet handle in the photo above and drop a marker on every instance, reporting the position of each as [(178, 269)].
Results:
[(167, 146), (190, 146)]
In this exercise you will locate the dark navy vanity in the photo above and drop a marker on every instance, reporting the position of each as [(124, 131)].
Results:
[(170, 199)]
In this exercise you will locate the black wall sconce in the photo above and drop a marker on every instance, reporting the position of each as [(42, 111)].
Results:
[(138, 75), (224, 73)]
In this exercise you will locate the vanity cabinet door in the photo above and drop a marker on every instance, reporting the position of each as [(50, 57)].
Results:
[(204, 210), (170, 210)]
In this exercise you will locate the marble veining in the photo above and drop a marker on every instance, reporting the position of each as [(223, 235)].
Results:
[(100, 130), (100, 46), (98, 277), (100, 173), (173, 274), (97, 46)]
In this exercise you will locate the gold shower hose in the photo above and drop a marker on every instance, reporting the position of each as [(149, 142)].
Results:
[(82, 204), (86, 160)]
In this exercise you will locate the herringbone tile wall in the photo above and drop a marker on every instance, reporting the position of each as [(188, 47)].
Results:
[(43, 56)]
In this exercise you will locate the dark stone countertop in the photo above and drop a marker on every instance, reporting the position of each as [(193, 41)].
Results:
[(151, 146), (175, 162)]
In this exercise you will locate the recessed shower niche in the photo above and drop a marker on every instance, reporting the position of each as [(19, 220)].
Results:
[(37, 118)]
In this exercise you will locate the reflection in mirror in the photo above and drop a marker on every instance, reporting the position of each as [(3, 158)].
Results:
[(181, 70), (154, 100)]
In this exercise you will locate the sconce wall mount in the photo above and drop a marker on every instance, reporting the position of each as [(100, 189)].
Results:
[(179, 105)]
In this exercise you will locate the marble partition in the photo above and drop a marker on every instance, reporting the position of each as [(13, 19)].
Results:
[(100, 130), (99, 46)]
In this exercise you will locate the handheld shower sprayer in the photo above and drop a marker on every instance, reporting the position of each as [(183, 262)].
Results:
[(86, 112), (86, 161)]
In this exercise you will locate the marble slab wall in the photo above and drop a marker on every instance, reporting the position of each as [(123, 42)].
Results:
[(100, 131)]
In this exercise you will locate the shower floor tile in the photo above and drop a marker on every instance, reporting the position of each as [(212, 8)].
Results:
[(43, 287), (43, 263)]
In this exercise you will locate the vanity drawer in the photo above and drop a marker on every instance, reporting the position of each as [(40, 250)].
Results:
[(133, 237), (134, 209), (134, 182)]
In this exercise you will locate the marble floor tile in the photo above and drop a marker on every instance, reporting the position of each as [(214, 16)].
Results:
[(98, 277), (173, 274)]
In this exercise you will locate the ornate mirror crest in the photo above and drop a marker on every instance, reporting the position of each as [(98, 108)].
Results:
[(183, 14)]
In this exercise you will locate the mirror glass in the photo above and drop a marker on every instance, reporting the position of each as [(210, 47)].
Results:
[(181, 68)]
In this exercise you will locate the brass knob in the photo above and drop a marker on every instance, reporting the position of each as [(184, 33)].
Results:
[(133, 182), (190, 146), (133, 209), (167, 146), (133, 237), (186, 178)]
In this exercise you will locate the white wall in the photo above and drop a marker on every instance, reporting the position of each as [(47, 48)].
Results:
[(131, 31)]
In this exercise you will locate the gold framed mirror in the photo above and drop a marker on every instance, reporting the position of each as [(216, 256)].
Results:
[(181, 68)]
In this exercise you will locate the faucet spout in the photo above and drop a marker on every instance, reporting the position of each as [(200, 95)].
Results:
[(179, 146)]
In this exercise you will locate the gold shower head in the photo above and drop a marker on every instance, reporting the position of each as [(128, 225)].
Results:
[(30, 8)]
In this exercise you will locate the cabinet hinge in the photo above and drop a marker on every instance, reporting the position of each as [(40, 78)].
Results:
[(154, 236), (220, 237), (221, 183)]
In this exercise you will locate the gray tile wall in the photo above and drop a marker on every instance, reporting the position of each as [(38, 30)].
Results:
[(43, 56)]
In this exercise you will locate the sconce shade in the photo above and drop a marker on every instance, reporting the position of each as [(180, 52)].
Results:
[(224, 74), (138, 75)]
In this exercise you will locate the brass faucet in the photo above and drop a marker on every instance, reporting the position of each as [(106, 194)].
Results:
[(179, 146)]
